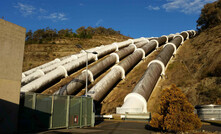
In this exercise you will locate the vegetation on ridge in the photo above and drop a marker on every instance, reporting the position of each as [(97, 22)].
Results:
[(48, 35)]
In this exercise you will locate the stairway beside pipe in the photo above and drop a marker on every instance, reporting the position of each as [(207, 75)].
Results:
[(79, 82), (99, 90), (62, 71), (136, 102)]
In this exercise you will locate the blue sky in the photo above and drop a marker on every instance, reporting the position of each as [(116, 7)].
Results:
[(135, 18)]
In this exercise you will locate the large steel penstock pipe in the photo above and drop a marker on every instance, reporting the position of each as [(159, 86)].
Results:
[(135, 102), (79, 82), (117, 73)]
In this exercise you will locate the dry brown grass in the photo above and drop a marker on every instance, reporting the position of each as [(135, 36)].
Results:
[(195, 69), (37, 54)]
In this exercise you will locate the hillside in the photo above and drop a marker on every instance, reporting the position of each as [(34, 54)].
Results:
[(37, 54), (196, 69)]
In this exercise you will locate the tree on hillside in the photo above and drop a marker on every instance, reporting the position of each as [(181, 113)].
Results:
[(175, 113), (210, 16)]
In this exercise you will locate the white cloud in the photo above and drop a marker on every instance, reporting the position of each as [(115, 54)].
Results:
[(186, 6), (41, 10), (81, 4), (39, 13), (55, 17), (25, 9), (99, 22), (153, 7)]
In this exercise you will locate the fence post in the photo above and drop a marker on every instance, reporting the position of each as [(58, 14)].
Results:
[(52, 110), (34, 101), (81, 112), (92, 113), (68, 109)]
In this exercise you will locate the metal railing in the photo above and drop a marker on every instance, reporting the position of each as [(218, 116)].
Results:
[(40, 112), (209, 112)]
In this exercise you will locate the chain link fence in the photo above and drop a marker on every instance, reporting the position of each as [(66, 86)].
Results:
[(41, 112)]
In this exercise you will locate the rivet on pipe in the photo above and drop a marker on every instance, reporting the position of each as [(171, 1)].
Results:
[(180, 37), (174, 46), (160, 63), (140, 49), (135, 47), (167, 39), (121, 69), (91, 76), (117, 49), (156, 43), (117, 57), (65, 71), (132, 41)]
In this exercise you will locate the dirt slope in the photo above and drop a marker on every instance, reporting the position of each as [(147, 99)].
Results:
[(37, 54), (196, 69)]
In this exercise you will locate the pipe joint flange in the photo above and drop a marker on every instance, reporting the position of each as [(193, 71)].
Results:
[(140, 98), (132, 41), (160, 63), (57, 60), (140, 49), (135, 47), (91, 76), (121, 69), (180, 37), (117, 57), (167, 39), (145, 39), (115, 44), (40, 71), (194, 32), (156, 43), (174, 46), (95, 57), (188, 36), (82, 51), (65, 71), (74, 57)]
